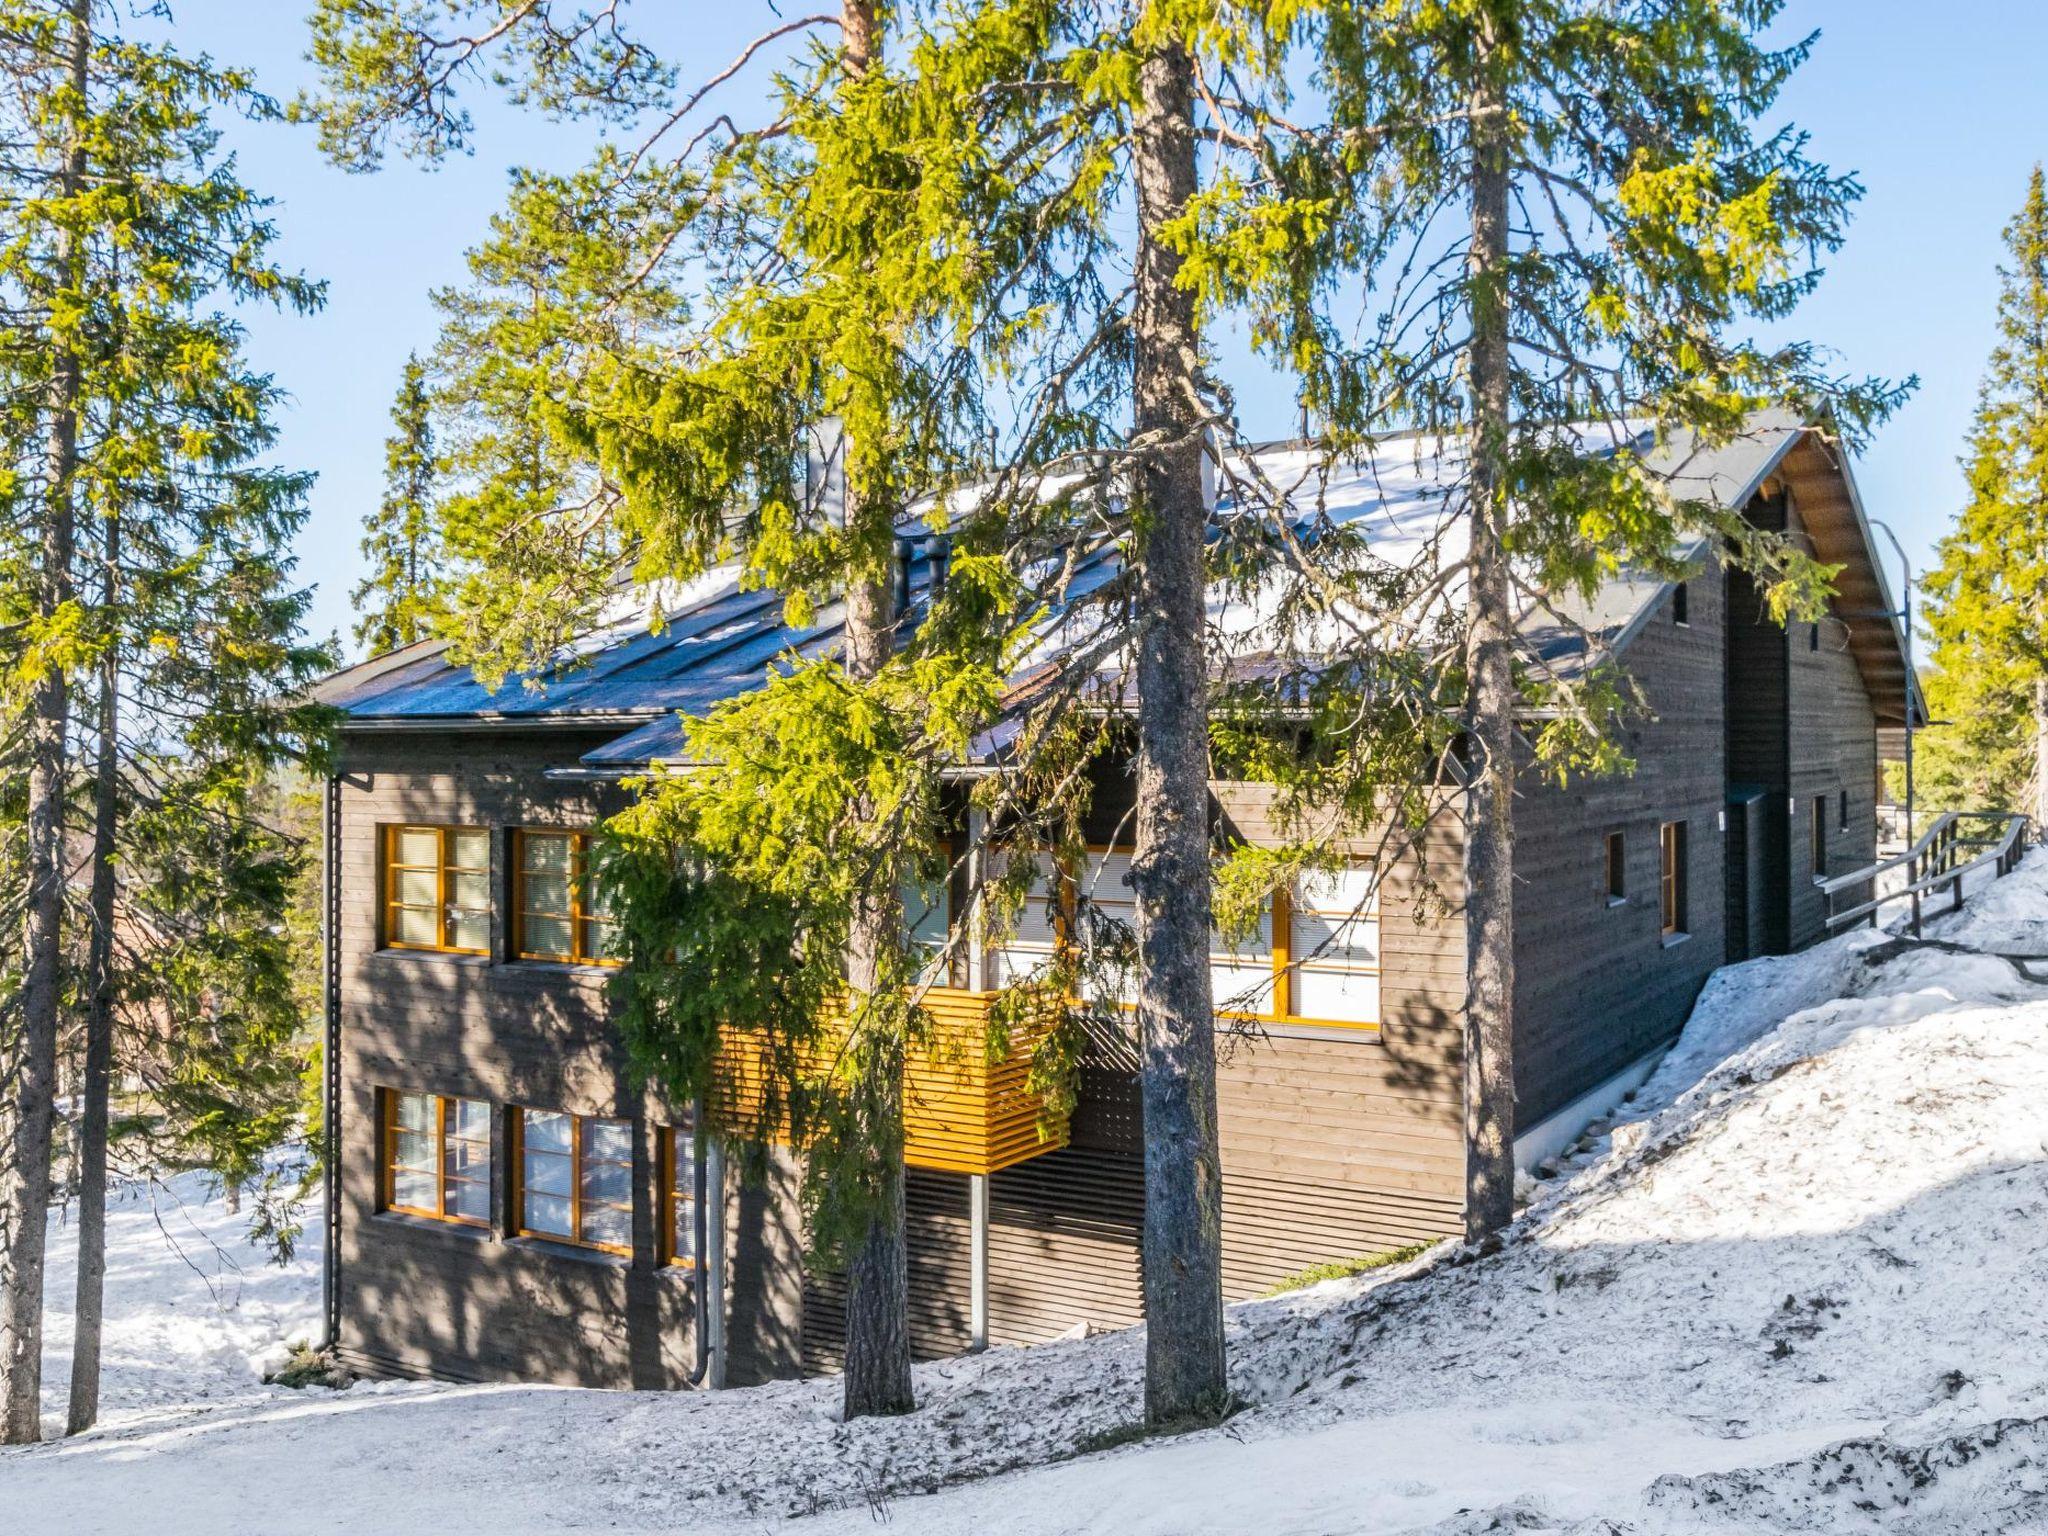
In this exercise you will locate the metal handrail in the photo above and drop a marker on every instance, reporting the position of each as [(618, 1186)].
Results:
[(1938, 848), (1940, 825)]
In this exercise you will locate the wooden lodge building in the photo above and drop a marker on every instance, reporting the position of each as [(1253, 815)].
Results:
[(507, 1205)]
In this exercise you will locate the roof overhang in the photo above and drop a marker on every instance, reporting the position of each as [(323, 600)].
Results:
[(1830, 509)]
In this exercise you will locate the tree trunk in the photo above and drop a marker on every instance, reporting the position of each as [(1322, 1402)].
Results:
[(878, 1283), (877, 1379), (25, 1192), (1491, 698), (99, 1031), (1184, 1362), (2041, 757)]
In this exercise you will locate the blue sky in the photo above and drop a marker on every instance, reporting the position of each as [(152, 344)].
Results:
[(1939, 108)]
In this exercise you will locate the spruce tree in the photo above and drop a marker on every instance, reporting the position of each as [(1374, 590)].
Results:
[(47, 54), (132, 237), (1623, 220), (1988, 593), (404, 595), (674, 427)]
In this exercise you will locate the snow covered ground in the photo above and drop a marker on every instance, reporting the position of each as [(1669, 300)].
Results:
[(1801, 1284)]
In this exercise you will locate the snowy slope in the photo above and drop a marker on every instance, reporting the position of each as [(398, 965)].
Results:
[(1802, 1285)]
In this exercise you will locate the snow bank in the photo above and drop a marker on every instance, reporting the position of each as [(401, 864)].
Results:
[(1803, 1284)]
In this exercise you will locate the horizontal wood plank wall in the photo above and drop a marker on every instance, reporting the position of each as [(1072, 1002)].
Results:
[(1335, 1143), (422, 1298), (1596, 985), (935, 1237)]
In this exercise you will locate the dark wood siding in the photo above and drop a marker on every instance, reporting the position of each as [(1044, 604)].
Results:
[(1597, 984), (1831, 750), (422, 1298), (1801, 727)]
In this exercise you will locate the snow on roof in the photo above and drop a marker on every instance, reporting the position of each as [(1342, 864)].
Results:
[(715, 640)]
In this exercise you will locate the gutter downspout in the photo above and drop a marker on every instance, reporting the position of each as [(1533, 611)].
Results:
[(707, 1280), (711, 1235), (330, 1063)]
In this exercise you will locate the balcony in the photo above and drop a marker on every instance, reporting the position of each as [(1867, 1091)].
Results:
[(962, 1113)]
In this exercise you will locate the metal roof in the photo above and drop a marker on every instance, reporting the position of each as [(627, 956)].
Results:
[(682, 651)]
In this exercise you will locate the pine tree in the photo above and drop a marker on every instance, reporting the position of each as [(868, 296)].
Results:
[(1988, 595), (404, 595), (1183, 1247)]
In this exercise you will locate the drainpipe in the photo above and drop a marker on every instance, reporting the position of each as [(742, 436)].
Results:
[(1905, 614), (330, 1062), (977, 1260), (711, 1250)]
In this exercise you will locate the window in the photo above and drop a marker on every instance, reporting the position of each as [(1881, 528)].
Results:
[(561, 909), (1843, 822), (1819, 835), (1671, 879), (1617, 869), (437, 889), (678, 1198), (928, 924), (1042, 925), (1813, 638), (1679, 610), (437, 1157), (576, 1179), (1312, 958), (1330, 971)]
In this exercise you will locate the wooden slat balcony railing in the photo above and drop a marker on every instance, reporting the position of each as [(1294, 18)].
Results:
[(962, 1113)]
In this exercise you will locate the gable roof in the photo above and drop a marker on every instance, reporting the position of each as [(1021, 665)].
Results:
[(714, 640)]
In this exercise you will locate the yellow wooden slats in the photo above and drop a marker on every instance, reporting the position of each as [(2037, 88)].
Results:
[(962, 1113)]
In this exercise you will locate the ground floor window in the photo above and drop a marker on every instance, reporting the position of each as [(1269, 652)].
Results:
[(1617, 869), (1820, 837), (576, 1179), (678, 1197), (437, 1157)]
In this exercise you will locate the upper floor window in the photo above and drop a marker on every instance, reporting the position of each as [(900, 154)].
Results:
[(1617, 869), (1671, 894), (576, 1179), (1312, 956), (559, 907), (437, 1157), (928, 926), (1680, 611), (437, 888), (1330, 973)]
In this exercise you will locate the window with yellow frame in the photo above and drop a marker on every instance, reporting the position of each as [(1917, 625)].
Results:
[(576, 1179), (437, 889), (1313, 957), (678, 1198), (437, 1157), (559, 909)]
